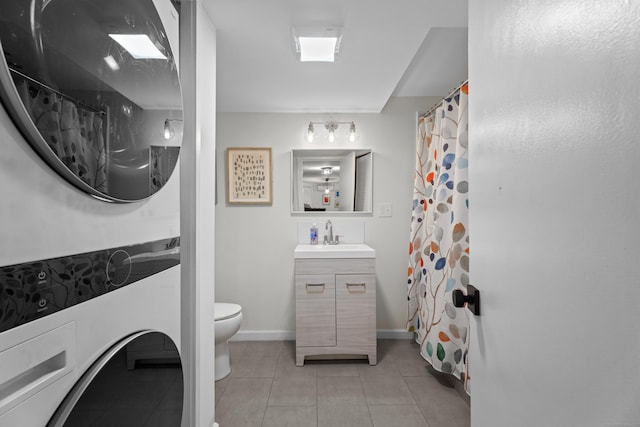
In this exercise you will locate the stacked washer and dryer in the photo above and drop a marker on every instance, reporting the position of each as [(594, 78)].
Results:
[(89, 250)]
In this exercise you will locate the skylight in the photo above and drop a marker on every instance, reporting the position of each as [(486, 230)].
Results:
[(138, 45)]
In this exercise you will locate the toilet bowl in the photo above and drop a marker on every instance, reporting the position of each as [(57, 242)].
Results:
[(227, 322)]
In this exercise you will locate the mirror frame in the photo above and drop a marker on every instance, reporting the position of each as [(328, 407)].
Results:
[(319, 153)]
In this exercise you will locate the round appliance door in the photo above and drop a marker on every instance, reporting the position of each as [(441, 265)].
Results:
[(137, 382), (93, 87)]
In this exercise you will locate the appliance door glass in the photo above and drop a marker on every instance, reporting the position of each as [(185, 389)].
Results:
[(94, 88), (138, 382)]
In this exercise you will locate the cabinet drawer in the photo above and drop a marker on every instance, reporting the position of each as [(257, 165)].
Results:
[(336, 266), (315, 310), (356, 309)]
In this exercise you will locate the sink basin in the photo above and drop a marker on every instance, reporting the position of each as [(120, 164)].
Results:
[(342, 250)]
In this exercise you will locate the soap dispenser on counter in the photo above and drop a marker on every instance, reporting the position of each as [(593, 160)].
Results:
[(313, 234)]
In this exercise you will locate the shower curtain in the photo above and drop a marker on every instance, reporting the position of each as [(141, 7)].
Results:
[(439, 241), (75, 134)]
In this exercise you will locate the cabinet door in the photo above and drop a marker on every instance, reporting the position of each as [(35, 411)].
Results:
[(356, 309), (315, 310)]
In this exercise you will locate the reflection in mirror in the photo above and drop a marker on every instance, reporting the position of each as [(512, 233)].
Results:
[(331, 180), (138, 382), (91, 105)]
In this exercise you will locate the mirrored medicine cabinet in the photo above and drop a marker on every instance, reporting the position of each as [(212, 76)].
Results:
[(331, 181)]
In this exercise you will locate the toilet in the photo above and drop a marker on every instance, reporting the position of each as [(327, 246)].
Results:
[(227, 322)]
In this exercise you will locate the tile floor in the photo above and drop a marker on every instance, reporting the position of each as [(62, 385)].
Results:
[(266, 389)]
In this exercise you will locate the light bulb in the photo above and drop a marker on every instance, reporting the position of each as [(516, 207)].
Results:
[(168, 132), (310, 133), (332, 136), (352, 132), (111, 62)]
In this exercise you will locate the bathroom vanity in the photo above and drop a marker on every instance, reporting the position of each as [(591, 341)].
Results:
[(335, 291)]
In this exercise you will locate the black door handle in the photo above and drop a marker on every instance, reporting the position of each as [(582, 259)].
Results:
[(472, 299)]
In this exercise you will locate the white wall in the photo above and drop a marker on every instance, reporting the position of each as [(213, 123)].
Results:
[(553, 134), (254, 244)]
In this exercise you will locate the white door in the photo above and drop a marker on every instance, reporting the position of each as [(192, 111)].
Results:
[(554, 133)]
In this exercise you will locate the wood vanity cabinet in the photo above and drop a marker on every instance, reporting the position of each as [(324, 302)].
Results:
[(335, 308)]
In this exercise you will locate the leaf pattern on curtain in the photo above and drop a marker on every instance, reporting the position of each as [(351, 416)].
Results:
[(439, 245), (162, 161), (74, 134)]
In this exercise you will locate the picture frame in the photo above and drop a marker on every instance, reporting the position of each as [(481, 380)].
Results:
[(326, 199), (249, 176)]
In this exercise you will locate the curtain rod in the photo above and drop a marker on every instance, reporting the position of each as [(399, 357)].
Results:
[(77, 102), (430, 110)]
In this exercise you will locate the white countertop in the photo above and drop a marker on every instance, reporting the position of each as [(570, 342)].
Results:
[(342, 250)]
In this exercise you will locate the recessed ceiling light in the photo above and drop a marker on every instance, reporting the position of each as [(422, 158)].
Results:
[(319, 49), (317, 45), (139, 46)]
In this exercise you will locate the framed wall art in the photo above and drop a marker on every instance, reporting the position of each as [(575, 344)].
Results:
[(249, 176)]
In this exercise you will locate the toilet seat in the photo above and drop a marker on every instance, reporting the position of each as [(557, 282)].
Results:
[(225, 310)]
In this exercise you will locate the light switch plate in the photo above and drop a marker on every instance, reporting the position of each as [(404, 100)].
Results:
[(385, 210)]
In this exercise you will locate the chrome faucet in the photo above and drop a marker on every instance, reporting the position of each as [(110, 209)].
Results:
[(328, 226), (329, 238)]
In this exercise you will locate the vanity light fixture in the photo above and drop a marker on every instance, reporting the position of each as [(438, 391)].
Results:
[(168, 131), (331, 127), (327, 170)]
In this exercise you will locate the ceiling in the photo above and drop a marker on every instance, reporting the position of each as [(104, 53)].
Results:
[(389, 48)]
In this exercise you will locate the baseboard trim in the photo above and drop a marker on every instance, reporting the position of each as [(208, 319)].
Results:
[(386, 334), (264, 336), (394, 334)]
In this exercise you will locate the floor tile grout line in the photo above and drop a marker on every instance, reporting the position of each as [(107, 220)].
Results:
[(365, 399), (271, 387), (370, 416)]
